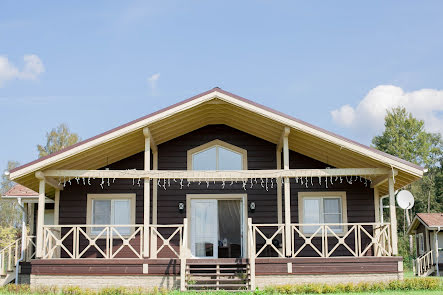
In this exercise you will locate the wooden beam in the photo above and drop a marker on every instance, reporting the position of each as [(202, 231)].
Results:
[(287, 193), (49, 180), (384, 178), (279, 190), (40, 215), (284, 134), (146, 193), (217, 175), (147, 133), (54, 183), (393, 217)]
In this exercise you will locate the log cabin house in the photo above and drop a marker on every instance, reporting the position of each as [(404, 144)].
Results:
[(427, 229), (214, 192)]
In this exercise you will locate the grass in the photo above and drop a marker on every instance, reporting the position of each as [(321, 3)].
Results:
[(409, 286)]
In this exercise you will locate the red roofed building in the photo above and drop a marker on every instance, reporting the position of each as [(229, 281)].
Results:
[(428, 231)]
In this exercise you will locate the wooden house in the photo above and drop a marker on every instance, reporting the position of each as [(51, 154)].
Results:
[(219, 192), (427, 229)]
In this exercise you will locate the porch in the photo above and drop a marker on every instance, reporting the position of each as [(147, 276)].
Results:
[(362, 244)]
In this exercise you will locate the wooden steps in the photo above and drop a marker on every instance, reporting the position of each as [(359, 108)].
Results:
[(229, 275)]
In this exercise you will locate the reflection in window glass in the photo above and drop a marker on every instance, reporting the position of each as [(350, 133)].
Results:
[(111, 212), (322, 210), (217, 158), (205, 160), (229, 160)]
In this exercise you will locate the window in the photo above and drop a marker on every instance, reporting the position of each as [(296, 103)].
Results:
[(322, 207), (217, 155), (420, 244), (111, 209)]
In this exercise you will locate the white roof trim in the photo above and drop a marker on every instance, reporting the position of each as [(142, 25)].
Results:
[(199, 100)]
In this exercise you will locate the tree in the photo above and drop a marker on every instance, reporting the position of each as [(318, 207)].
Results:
[(57, 139), (10, 214), (405, 137)]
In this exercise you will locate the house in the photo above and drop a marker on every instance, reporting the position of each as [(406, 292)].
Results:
[(218, 192), (427, 229)]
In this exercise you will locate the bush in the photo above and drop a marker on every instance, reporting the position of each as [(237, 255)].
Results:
[(404, 285)]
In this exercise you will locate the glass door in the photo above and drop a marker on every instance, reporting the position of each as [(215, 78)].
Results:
[(204, 228)]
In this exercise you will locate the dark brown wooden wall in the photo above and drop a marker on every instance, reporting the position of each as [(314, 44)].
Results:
[(172, 155)]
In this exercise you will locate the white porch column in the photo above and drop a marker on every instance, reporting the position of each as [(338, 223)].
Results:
[(154, 207), (279, 190), (287, 195), (56, 206), (146, 193), (40, 215), (393, 216)]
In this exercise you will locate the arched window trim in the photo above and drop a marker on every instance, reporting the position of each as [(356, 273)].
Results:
[(220, 143)]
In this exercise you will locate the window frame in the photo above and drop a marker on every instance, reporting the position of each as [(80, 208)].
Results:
[(215, 143), (420, 244), (322, 195), (89, 209)]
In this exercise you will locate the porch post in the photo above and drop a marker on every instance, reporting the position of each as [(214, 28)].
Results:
[(146, 194), (376, 218), (56, 206), (279, 191), (287, 194), (154, 207), (56, 218), (40, 215), (393, 216)]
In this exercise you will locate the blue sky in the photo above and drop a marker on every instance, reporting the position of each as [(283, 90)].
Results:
[(98, 64)]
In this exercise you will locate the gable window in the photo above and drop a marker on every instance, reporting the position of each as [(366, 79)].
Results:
[(111, 209), (322, 208), (217, 155)]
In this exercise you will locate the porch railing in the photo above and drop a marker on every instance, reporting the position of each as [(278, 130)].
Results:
[(11, 254), (111, 241), (424, 263), (341, 239), (264, 240)]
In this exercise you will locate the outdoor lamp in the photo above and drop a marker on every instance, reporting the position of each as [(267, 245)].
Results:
[(252, 207), (181, 207)]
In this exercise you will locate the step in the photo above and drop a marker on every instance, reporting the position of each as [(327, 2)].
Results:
[(215, 286), (221, 280), (214, 274), (214, 268)]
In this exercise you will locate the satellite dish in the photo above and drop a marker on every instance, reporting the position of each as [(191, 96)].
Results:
[(405, 199)]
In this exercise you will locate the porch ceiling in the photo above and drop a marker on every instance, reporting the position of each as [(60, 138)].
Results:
[(218, 107)]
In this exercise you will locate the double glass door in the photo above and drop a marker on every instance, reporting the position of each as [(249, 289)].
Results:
[(217, 228)]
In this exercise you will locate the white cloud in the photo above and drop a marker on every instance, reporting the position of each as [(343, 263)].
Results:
[(153, 80), (424, 104), (32, 68)]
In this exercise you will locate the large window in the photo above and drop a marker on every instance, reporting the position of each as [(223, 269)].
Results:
[(111, 209), (217, 155), (322, 208)]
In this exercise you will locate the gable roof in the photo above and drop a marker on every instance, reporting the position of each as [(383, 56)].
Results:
[(19, 190), (216, 106), (431, 221)]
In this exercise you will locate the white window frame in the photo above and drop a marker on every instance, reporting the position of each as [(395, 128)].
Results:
[(217, 143), (324, 195), (111, 197)]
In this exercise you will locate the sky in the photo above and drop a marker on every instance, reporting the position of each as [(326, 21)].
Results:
[(95, 65)]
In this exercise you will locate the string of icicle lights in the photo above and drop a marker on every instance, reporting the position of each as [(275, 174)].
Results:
[(265, 183)]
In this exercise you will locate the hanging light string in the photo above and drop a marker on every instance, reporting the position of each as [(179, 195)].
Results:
[(306, 180)]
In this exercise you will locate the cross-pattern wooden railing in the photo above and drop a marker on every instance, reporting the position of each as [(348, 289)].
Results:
[(111, 241), (87, 241), (424, 263), (341, 239)]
